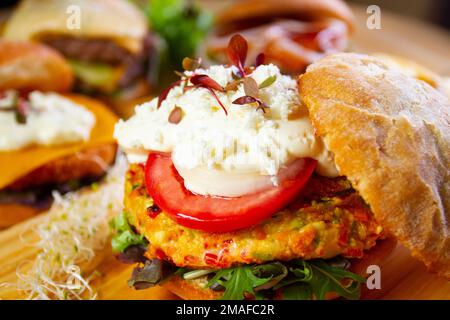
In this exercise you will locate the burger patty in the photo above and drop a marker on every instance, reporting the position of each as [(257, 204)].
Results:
[(89, 163), (310, 228), (88, 50), (108, 52)]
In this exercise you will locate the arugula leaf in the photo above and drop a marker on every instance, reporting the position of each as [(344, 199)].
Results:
[(297, 291), (124, 234), (276, 271), (319, 278), (331, 279), (237, 282)]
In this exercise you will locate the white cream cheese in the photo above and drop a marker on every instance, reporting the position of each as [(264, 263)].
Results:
[(51, 120), (229, 155)]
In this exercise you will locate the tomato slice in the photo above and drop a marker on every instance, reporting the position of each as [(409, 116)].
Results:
[(217, 214)]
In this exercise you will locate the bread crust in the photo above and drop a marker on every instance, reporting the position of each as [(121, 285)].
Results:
[(193, 290), (119, 21), (302, 9), (31, 66), (390, 134)]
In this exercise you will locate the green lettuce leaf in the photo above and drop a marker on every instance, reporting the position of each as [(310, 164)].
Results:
[(297, 291), (124, 235), (317, 278), (331, 279)]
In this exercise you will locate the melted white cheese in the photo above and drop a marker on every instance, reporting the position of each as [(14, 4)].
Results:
[(210, 148), (51, 120)]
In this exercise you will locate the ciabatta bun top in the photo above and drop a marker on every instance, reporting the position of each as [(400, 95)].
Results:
[(117, 20), (31, 66), (390, 134)]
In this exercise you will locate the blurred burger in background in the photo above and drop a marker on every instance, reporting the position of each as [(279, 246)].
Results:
[(291, 33), (123, 50), (111, 51), (49, 140)]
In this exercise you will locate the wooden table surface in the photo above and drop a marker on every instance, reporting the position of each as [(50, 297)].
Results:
[(402, 276)]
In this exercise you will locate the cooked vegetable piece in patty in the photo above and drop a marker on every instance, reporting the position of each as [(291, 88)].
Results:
[(308, 229)]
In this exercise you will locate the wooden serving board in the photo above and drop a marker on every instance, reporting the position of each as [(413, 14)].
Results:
[(113, 275), (402, 277)]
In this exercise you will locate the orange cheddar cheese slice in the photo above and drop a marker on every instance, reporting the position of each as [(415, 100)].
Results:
[(18, 163)]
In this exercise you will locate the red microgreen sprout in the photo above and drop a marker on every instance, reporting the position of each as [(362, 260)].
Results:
[(251, 90), (218, 100), (260, 59), (165, 93), (248, 100), (19, 105), (251, 87), (203, 81), (237, 53), (22, 110), (189, 64), (176, 115)]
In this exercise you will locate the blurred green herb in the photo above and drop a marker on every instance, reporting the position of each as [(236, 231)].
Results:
[(181, 24)]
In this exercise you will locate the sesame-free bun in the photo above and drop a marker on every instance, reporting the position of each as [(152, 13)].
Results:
[(248, 10), (31, 66), (390, 134), (117, 20)]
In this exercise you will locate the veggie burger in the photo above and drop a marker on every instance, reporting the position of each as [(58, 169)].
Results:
[(49, 140), (244, 183)]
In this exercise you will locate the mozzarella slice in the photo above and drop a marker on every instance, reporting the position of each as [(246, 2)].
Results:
[(214, 182)]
